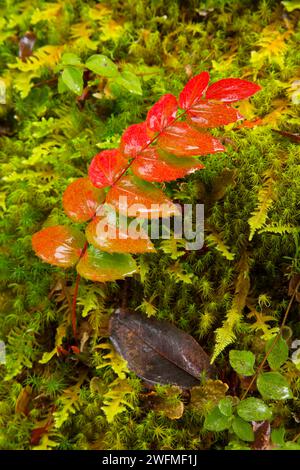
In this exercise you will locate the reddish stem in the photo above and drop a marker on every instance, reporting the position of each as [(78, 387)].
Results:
[(74, 302), (74, 306)]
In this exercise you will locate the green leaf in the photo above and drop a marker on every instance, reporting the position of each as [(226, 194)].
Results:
[(225, 406), (100, 266), (73, 79), (102, 65), (242, 429), (290, 445), (70, 59), (277, 436), (279, 353), (254, 409), (47, 356), (216, 421), (115, 401), (242, 361), (291, 5), (61, 86), (131, 82), (273, 386)]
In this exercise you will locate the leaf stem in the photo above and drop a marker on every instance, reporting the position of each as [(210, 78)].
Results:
[(74, 302), (273, 344)]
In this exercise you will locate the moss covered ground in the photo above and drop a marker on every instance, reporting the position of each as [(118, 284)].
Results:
[(231, 295)]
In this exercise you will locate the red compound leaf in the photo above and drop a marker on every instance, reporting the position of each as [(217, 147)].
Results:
[(135, 197), (161, 114), (134, 140), (155, 166), (230, 90), (193, 90), (212, 114), (81, 199), (106, 167), (59, 245), (182, 140), (107, 236)]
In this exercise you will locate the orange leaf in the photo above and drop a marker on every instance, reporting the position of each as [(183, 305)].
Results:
[(181, 139), (107, 236), (106, 167), (58, 245), (211, 114), (153, 165), (81, 199), (133, 196)]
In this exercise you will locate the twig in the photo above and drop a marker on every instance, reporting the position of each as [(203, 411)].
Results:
[(46, 82), (296, 437), (124, 294), (74, 306), (273, 344), (74, 302)]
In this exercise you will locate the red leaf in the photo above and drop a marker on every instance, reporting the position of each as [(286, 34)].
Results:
[(211, 114), (133, 196), (106, 236), (162, 113), (106, 167), (181, 139), (193, 90), (75, 349), (58, 245), (37, 433), (153, 166), (250, 124), (231, 89), (134, 140), (81, 199)]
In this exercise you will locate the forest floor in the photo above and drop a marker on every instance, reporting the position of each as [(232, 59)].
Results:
[(236, 296)]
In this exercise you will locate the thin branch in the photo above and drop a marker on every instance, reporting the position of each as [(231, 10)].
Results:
[(74, 319), (74, 302)]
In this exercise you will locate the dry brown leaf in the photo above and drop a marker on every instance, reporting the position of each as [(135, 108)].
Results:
[(23, 400)]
